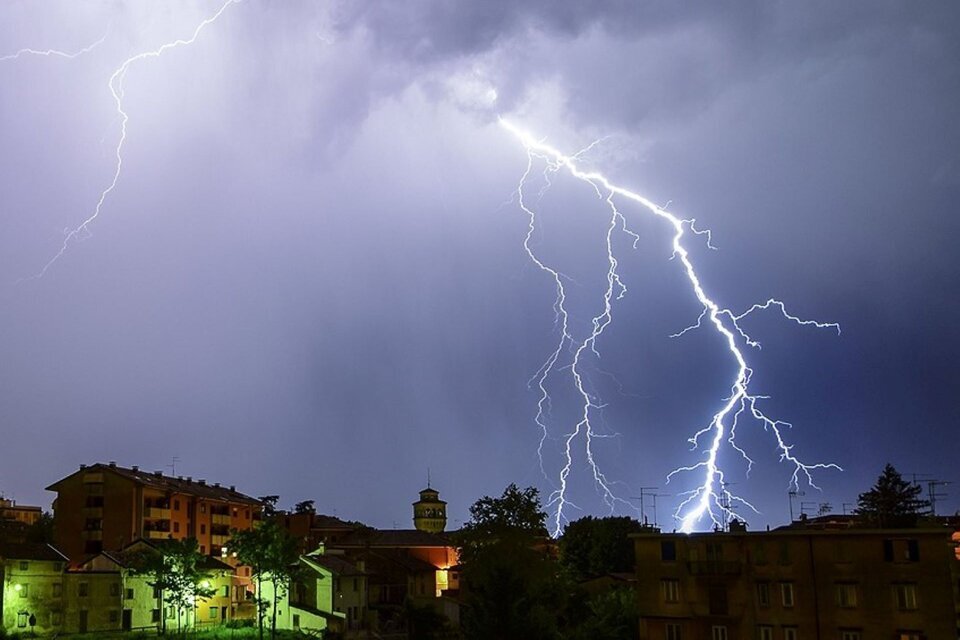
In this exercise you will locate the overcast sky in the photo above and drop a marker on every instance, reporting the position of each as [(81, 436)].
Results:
[(310, 279)]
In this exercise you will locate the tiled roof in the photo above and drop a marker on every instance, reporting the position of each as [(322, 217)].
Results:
[(392, 538), (335, 564), (179, 484), (30, 551)]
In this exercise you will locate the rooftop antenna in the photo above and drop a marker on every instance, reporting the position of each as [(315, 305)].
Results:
[(173, 465), (934, 495), (793, 493), (844, 506), (428, 477), (644, 492)]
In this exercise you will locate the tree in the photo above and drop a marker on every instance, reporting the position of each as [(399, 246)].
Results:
[(892, 502), (42, 530), (512, 586), (175, 569), (597, 546), (307, 506), (271, 553), (611, 615), (269, 505)]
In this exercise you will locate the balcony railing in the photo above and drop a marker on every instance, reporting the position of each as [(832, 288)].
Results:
[(219, 541), (220, 518), (713, 568), (156, 513), (157, 535)]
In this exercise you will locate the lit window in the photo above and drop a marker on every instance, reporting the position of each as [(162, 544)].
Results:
[(672, 632), (906, 595), (22, 618), (910, 635), (850, 634), (670, 590), (213, 613), (846, 596), (718, 632), (786, 594), (24, 590)]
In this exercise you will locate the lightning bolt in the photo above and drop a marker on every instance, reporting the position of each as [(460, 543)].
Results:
[(711, 499), (48, 53), (115, 85)]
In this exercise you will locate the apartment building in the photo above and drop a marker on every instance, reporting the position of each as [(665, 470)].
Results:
[(106, 507), (793, 583), (10, 510)]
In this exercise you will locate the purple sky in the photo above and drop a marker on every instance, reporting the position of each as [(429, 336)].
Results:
[(310, 278)]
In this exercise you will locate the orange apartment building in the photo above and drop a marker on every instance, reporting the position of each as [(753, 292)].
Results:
[(10, 510), (105, 507)]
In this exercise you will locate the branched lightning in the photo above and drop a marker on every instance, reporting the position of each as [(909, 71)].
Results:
[(115, 85), (711, 499), (47, 53)]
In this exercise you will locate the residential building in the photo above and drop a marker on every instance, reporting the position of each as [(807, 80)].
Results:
[(848, 584), (11, 511), (106, 507), (32, 594)]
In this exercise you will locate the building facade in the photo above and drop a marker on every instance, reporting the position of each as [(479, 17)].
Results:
[(789, 584)]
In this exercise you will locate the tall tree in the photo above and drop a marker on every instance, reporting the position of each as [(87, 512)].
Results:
[(175, 571), (271, 553), (892, 502), (597, 546), (511, 582)]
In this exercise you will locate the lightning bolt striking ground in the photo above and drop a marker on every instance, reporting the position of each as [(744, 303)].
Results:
[(115, 85), (711, 500)]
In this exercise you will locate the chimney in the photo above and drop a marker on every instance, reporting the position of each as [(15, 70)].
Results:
[(202, 481), (82, 466), (113, 463), (179, 477), (189, 478), (135, 468), (159, 474), (233, 488), (216, 484)]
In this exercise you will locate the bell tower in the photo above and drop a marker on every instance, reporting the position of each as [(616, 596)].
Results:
[(430, 512)]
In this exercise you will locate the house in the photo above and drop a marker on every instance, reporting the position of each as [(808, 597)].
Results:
[(32, 594), (791, 583)]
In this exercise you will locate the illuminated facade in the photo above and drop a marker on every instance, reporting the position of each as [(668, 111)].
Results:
[(787, 584), (106, 507), (430, 512), (10, 510), (32, 594)]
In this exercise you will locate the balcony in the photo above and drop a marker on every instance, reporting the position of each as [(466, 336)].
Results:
[(157, 534), (713, 568), (220, 518), (156, 513), (219, 541)]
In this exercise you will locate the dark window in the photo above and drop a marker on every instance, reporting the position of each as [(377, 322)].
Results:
[(155, 615), (718, 600), (763, 594), (176, 505), (888, 550), (176, 527), (114, 589), (83, 589), (24, 565), (913, 551), (203, 529), (668, 551)]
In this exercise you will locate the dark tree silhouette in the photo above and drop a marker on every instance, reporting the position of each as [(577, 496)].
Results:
[(892, 502)]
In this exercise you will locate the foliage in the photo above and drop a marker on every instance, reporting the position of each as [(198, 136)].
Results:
[(612, 615), (892, 502), (307, 506), (598, 546), (174, 569), (271, 553), (512, 584), (425, 623), (41, 531), (269, 505)]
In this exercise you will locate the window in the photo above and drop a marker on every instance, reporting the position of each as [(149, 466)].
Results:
[(786, 594), (765, 632), (784, 553), (355, 585), (22, 618), (906, 595), (214, 611), (672, 632), (176, 527), (714, 552), (246, 514), (203, 508), (114, 616), (763, 594), (789, 633), (176, 505), (24, 565), (114, 589), (171, 612), (668, 551), (718, 632), (846, 596), (203, 549), (760, 554), (58, 567), (670, 590), (128, 595), (83, 589), (901, 550), (203, 529), (24, 590), (226, 591), (296, 621), (910, 635), (56, 618), (850, 634), (57, 589), (155, 615), (717, 596)]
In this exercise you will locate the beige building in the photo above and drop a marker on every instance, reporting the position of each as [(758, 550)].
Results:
[(32, 594), (788, 584)]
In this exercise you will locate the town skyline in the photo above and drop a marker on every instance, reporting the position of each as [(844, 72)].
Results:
[(312, 276)]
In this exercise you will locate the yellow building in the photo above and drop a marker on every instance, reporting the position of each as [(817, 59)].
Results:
[(32, 594), (10, 510), (787, 584), (430, 512)]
